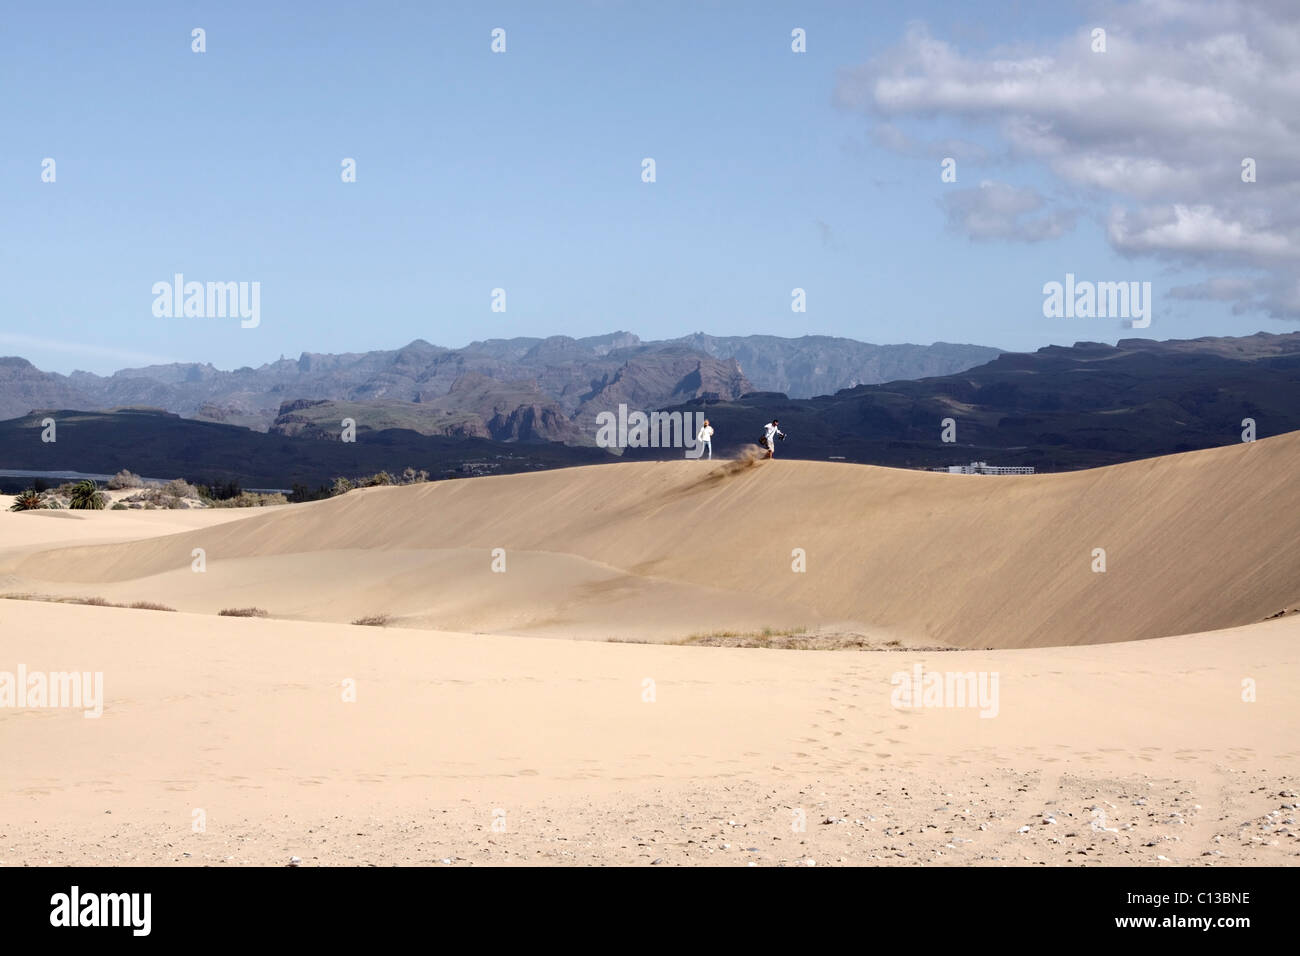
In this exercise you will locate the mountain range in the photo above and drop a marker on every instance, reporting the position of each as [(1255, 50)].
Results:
[(521, 389)]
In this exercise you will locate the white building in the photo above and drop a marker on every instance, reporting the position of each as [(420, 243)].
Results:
[(984, 468)]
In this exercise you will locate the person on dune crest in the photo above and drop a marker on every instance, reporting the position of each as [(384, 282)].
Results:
[(705, 438), (771, 432)]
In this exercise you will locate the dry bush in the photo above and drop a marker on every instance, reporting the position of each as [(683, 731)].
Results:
[(250, 499), (374, 620), (124, 479), (162, 497), (180, 488), (92, 601), (242, 612)]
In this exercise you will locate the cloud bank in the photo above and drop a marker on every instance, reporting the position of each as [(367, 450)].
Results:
[(1156, 131)]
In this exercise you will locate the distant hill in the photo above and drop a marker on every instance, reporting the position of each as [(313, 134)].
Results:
[(158, 443), (561, 376), (1056, 409)]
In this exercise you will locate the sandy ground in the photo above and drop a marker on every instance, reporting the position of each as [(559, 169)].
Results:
[(1142, 752), (480, 734)]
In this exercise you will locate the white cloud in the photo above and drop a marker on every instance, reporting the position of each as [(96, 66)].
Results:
[(1195, 231), (1154, 129)]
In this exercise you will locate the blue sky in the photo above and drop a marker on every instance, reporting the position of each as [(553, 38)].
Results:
[(522, 171)]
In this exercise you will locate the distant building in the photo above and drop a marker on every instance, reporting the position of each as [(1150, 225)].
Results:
[(984, 468)]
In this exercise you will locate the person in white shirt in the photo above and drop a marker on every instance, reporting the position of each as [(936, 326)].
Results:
[(771, 432), (705, 438)]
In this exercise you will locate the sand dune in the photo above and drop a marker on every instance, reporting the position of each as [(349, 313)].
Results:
[(24, 532), (658, 551)]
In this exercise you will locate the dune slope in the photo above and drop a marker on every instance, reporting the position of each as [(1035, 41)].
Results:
[(1193, 542)]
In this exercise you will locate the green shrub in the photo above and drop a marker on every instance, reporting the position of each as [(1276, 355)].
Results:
[(86, 496), (28, 500)]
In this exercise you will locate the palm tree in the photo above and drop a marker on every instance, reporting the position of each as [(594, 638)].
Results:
[(85, 496), (29, 500)]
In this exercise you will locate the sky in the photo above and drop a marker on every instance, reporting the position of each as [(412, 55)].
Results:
[(522, 170)]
